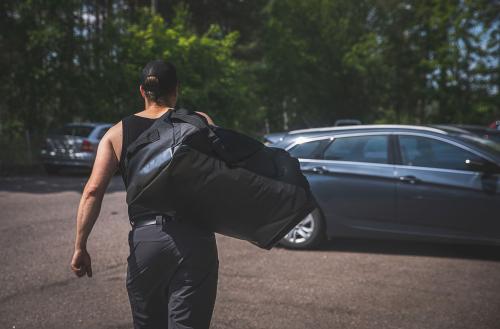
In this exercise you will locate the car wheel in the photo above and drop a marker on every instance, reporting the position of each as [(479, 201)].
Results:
[(52, 169), (309, 233)]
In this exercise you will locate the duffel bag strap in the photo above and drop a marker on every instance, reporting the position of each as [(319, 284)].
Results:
[(148, 136), (191, 118), (151, 136), (200, 122)]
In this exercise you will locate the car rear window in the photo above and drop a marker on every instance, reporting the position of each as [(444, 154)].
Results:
[(80, 131), (308, 150), (371, 148), (427, 152)]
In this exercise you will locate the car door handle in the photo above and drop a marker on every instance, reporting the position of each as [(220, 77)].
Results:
[(409, 179), (319, 170)]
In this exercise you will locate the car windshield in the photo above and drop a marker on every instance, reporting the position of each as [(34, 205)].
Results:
[(72, 130), (482, 143)]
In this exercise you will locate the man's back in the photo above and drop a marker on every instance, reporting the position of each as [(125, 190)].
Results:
[(173, 265), (132, 126)]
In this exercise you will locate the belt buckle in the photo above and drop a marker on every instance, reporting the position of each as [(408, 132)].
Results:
[(162, 220)]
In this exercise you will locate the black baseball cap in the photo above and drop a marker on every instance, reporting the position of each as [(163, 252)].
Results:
[(164, 72)]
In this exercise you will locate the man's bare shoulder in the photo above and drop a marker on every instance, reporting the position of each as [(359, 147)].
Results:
[(112, 139), (115, 132)]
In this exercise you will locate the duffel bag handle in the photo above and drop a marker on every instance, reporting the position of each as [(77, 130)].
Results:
[(200, 122)]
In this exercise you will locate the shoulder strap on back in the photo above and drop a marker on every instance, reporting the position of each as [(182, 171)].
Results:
[(201, 122), (147, 136), (190, 117), (152, 134)]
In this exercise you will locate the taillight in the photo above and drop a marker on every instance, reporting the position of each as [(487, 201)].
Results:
[(86, 146)]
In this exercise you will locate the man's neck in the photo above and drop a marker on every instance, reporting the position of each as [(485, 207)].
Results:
[(154, 108)]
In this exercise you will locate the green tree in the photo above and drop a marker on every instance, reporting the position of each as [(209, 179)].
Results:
[(438, 54), (320, 61), (211, 78)]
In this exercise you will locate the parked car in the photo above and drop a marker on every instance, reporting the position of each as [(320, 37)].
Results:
[(397, 181), (487, 133), (495, 125), (276, 137), (273, 138), (74, 145)]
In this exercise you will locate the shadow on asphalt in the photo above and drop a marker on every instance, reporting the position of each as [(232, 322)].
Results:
[(412, 248), (66, 181), (75, 181)]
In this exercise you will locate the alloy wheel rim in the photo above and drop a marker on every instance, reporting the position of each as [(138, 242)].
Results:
[(302, 231)]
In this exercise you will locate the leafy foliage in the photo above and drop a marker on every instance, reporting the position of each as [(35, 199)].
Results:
[(252, 65), (383, 61), (64, 65)]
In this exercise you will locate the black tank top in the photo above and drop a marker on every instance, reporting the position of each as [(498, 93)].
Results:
[(132, 126)]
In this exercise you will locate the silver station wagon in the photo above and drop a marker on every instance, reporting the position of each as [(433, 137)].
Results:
[(397, 181), (72, 146)]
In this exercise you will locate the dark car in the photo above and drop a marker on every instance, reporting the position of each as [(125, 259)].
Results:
[(72, 146), (484, 132), (273, 138), (278, 136), (397, 181)]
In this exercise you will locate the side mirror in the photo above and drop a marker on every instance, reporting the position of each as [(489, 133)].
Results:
[(482, 166)]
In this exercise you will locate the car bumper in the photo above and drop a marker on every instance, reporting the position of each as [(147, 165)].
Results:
[(75, 160)]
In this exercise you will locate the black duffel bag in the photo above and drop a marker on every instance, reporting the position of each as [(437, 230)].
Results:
[(219, 178)]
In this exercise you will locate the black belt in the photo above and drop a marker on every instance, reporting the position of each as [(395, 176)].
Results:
[(159, 219)]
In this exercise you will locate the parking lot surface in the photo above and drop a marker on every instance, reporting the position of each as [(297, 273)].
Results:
[(348, 283)]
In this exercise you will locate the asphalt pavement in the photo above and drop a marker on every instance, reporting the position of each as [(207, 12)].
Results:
[(348, 283)]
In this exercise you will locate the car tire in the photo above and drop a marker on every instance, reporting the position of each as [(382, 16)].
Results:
[(52, 169), (308, 234)]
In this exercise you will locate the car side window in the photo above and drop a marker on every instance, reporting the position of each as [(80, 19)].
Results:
[(308, 150), (428, 152), (368, 148)]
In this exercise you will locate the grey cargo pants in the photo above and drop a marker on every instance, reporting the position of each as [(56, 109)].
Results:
[(172, 276)]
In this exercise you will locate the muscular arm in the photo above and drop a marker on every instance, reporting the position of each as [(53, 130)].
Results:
[(104, 167)]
